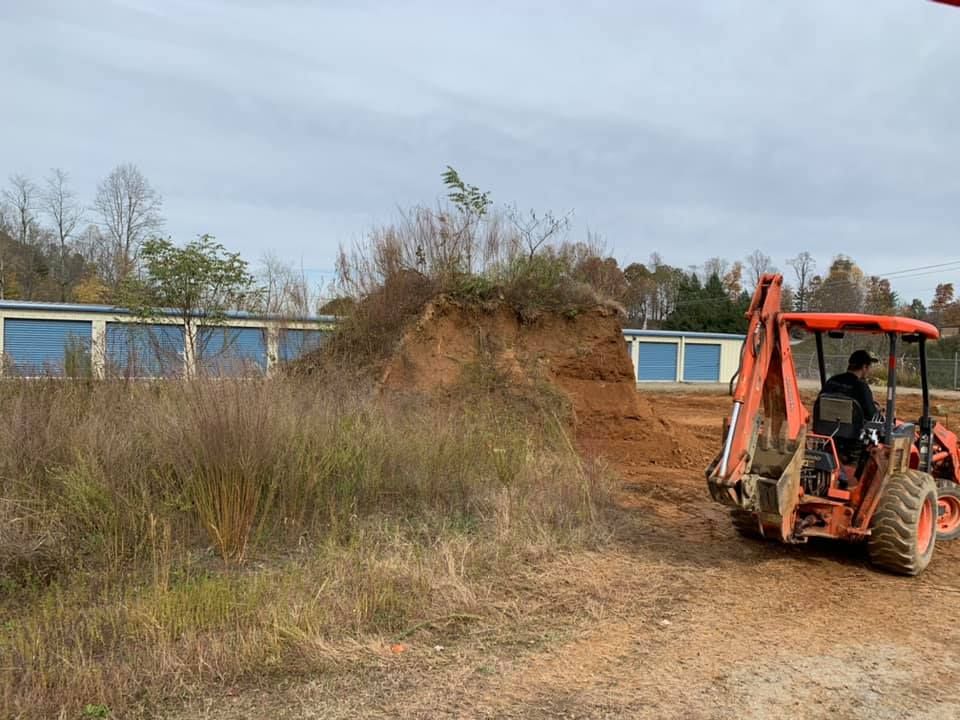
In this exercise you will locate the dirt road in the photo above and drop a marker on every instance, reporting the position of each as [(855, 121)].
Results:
[(679, 619)]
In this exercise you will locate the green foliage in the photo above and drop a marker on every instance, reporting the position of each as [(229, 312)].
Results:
[(96, 711), (545, 283), (199, 280), (467, 198), (199, 283), (473, 287), (707, 308)]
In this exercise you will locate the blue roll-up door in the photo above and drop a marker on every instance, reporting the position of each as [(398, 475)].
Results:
[(294, 343), (701, 363), (231, 351), (658, 361), (48, 347), (135, 350)]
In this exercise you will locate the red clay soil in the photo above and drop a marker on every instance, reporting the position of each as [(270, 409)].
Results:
[(583, 357)]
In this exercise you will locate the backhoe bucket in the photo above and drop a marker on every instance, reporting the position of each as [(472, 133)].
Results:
[(769, 488)]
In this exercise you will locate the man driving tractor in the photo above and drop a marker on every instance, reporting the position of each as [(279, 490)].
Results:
[(853, 383)]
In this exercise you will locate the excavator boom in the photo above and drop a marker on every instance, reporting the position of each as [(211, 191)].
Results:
[(766, 386)]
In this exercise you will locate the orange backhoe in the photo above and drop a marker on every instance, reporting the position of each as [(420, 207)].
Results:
[(791, 474)]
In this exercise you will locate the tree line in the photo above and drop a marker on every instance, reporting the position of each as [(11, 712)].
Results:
[(55, 247), (715, 295)]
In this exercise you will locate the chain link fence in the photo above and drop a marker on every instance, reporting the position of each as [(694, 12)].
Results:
[(942, 373)]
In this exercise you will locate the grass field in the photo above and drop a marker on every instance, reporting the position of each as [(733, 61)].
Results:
[(162, 539)]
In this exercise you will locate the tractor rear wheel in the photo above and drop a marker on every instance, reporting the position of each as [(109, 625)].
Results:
[(948, 512), (903, 528), (745, 524)]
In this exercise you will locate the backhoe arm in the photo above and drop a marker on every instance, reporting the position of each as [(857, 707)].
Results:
[(766, 397)]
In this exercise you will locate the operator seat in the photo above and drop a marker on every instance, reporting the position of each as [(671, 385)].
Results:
[(841, 418)]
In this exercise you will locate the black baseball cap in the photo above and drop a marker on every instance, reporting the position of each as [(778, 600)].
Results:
[(859, 358)]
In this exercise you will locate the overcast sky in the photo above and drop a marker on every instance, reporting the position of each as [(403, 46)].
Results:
[(689, 128)]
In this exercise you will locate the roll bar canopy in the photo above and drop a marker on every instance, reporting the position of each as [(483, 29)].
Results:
[(857, 322)]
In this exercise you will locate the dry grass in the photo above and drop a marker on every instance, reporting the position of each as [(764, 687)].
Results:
[(524, 263), (159, 538)]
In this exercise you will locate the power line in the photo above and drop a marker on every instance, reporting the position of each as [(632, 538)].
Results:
[(921, 267), (920, 274)]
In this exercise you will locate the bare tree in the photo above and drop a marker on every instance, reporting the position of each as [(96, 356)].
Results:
[(537, 231), (759, 264), (803, 267), (65, 214), (21, 198), (285, 295), (715, 266), (129, 211), (93, 246), (6, 236), (286, 291)]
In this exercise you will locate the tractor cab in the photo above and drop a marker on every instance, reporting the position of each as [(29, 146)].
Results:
[(840, 417)]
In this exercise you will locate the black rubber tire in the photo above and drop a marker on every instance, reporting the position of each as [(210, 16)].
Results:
[(948, 487), (745, 524), (893, 544)]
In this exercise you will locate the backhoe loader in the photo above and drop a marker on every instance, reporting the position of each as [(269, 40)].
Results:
[(791, 474)]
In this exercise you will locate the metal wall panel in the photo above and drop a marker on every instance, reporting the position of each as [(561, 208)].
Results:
[(135, 350), (658, 361), (294, 343), (48, 347), (701, 363), (231, 351)]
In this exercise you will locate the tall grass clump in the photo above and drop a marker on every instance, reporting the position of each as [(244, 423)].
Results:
[(159, 537), (232, 446)]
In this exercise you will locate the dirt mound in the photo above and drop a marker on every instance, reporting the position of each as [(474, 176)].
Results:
[(583, 357)]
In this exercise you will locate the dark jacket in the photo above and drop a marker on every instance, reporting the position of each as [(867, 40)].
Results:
[(849, 385)]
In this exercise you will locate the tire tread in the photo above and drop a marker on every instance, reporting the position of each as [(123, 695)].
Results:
[(893, 539)]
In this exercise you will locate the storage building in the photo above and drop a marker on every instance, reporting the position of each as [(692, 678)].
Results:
[(58, 339), (666, 356)]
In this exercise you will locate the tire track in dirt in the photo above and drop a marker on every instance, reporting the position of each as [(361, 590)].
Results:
[(781, 615)]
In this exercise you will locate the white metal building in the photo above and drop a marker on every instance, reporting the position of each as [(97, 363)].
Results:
[(58, 339), (668, 356)]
